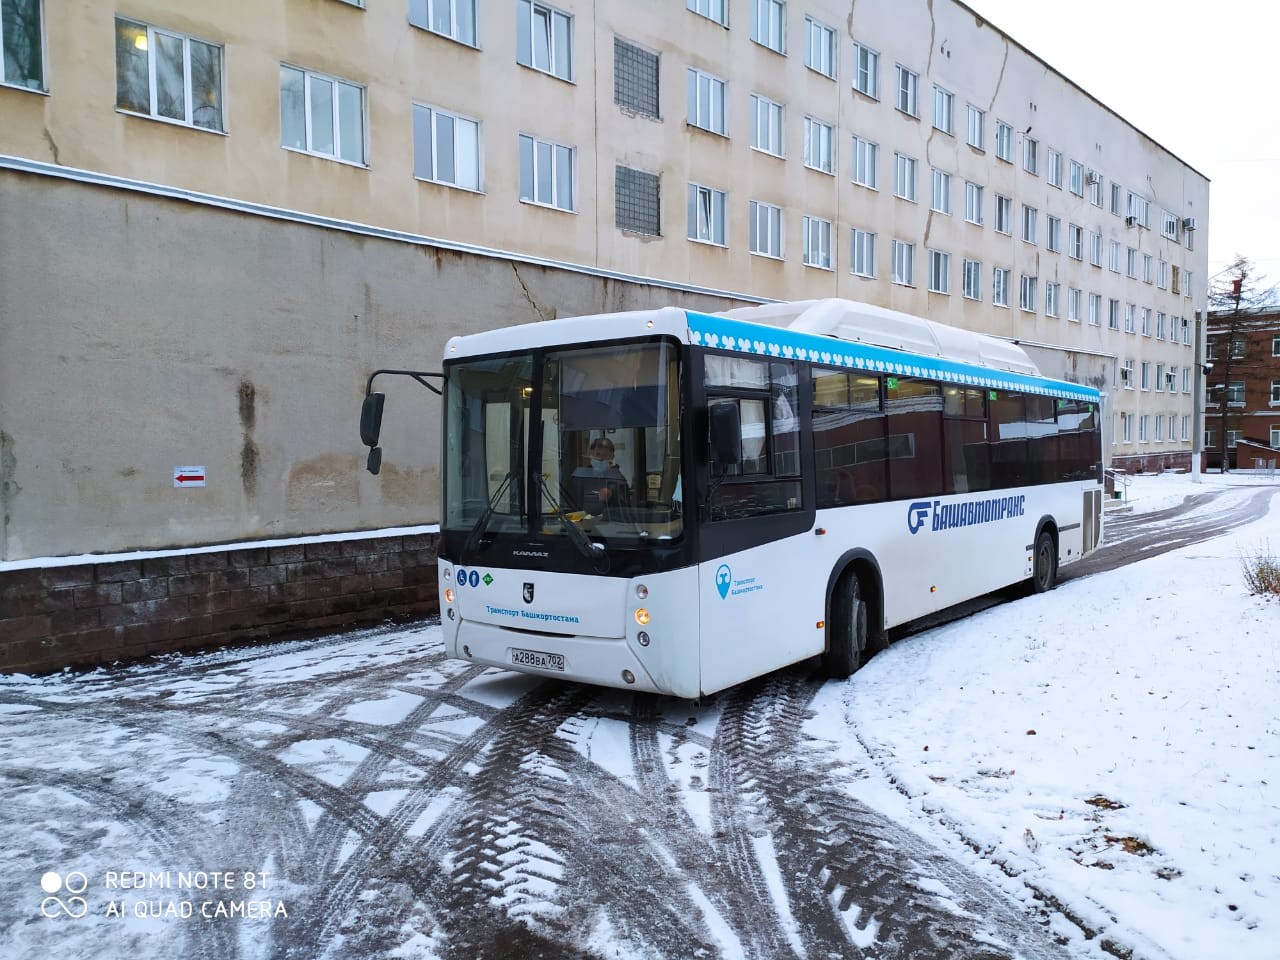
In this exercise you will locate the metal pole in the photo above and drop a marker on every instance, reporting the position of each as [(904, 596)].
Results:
[(1197, 401)]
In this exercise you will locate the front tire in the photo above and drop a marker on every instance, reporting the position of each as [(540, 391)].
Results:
[(847, 634), (1044, 569)]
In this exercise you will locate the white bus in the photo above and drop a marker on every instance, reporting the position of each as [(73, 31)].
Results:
[(769, 485)]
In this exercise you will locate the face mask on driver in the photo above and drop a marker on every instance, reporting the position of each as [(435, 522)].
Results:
[(599, 466)]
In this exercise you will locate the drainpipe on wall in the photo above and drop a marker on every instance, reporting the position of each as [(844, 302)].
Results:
[(1197, 403)]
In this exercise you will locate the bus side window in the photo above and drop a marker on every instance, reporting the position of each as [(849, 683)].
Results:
[(914, 451), (848, 438), (1009, 463)]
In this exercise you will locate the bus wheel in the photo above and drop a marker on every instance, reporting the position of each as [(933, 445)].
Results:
[(847, 635), (1044, 575)]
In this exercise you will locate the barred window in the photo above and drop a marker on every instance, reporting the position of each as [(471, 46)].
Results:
[(638, 201), (635, 78)]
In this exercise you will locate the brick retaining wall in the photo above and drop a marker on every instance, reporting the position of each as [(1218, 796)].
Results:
[(94, 613)]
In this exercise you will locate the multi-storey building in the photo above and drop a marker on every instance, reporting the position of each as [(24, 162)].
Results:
[(226, 206), (1242, 387)]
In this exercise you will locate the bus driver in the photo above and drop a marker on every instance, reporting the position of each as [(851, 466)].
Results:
[(600, 483)]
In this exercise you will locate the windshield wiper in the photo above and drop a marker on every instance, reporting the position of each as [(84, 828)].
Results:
[(478, 528), (595, 552)]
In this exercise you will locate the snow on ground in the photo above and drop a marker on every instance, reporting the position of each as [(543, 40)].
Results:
[(1114, 744), (1147, 493)]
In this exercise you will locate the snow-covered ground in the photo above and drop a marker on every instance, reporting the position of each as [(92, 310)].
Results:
[(1111, 749), (1114, 744)]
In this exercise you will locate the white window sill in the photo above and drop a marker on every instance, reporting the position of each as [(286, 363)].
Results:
[(829, 173), (324, 156), (452, 186), (767, 256), (768, 153), (42, 90), (173, 123), (819, 266), (535, 203), (715, 133), (708, 243)]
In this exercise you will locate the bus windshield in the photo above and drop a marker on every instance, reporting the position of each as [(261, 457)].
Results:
[(601, 452)]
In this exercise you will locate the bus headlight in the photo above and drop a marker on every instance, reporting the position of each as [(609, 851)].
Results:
[(642, 616)]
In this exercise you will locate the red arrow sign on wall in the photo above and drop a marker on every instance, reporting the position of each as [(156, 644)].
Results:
[(188, 476)]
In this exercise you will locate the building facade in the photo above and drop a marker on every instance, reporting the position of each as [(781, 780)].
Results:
[(1242, 388), (195, 190)]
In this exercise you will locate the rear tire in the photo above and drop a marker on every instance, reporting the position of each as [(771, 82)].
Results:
[(847, 634), (1044, 569)]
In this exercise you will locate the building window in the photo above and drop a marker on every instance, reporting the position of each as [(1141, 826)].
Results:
[(1140, 210), (766, 229), (1054, 173), (1234, 437), (1031, 156), (1074, 297), (1159, 378), (862, 254), (1130, 318), (903, 262), (866, 156), (1051, 291), (1126, 427), (446, 148), (1147, 272), (1186, 384), (1126, 375), (1159, 428), (766, 125), (546, 173), (817, 242), (1094, 182), (1131, 263), (544, 39), (907, 88), (1171, 379), (1114, 261), (819, 144), (866, 71), (1095, 310), (973, 203), (455, 19), (1275, 433), (1144, 428), (1075, 241), (706, 101), (1095, 249), (769, 24), (975, 136), (941, 194), (820, 48), (939, 272), (904, 177), (637, 201), (635, 78), (1029, 224), (1077, 179), (972, 280), (1146, 374), (1186, 428), (1162, 275), (170, 76), (1275, 346), (1160, 317), (1146, 321), (22, 45), (1000, 287), (1027, 294), (1053, 238), (706, 214), (943, 107), (321, 115), (1004, 214), (1174, 286), (1117, 198), (1113, 314), (1237, 348), (717, 10), (1004, 141)]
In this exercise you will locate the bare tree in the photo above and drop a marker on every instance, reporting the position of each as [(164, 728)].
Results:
[(1242, 302)]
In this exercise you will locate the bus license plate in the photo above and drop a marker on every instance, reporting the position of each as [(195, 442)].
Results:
[(537, 659)]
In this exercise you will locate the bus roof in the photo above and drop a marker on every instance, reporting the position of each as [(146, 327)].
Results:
[(845, 333), (877, 340)]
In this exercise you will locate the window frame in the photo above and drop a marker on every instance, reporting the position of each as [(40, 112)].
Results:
[(971, 280), (906, 96), (421, 15), (776, 114), (862, 253), (940, 191), (824, 229), (905, 175), (973, 202), (870, 69), (39, 84), (556, 149), (903, 263), (696, 209), (1000, 282), (980, 116), (1004, 141), (710, 5), (816, 30), (939, 272), (189, 93), (826, 134), (774, 221), (718, 95), (434, 111), (770, 14), (554, 17), (944, 102)]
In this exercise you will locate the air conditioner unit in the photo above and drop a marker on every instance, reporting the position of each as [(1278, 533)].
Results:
[(1130, 221), (1091, 177), (1189, 223)]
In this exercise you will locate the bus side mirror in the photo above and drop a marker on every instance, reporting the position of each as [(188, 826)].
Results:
[(726, 434), (370, 428), (371, 418)]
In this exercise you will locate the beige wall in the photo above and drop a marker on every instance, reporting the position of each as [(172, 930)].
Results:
[(229, 299)]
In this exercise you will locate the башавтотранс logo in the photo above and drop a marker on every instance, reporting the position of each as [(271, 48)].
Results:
[(74, 907)]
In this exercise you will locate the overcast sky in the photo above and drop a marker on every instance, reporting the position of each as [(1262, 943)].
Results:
[(1198, 78)]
